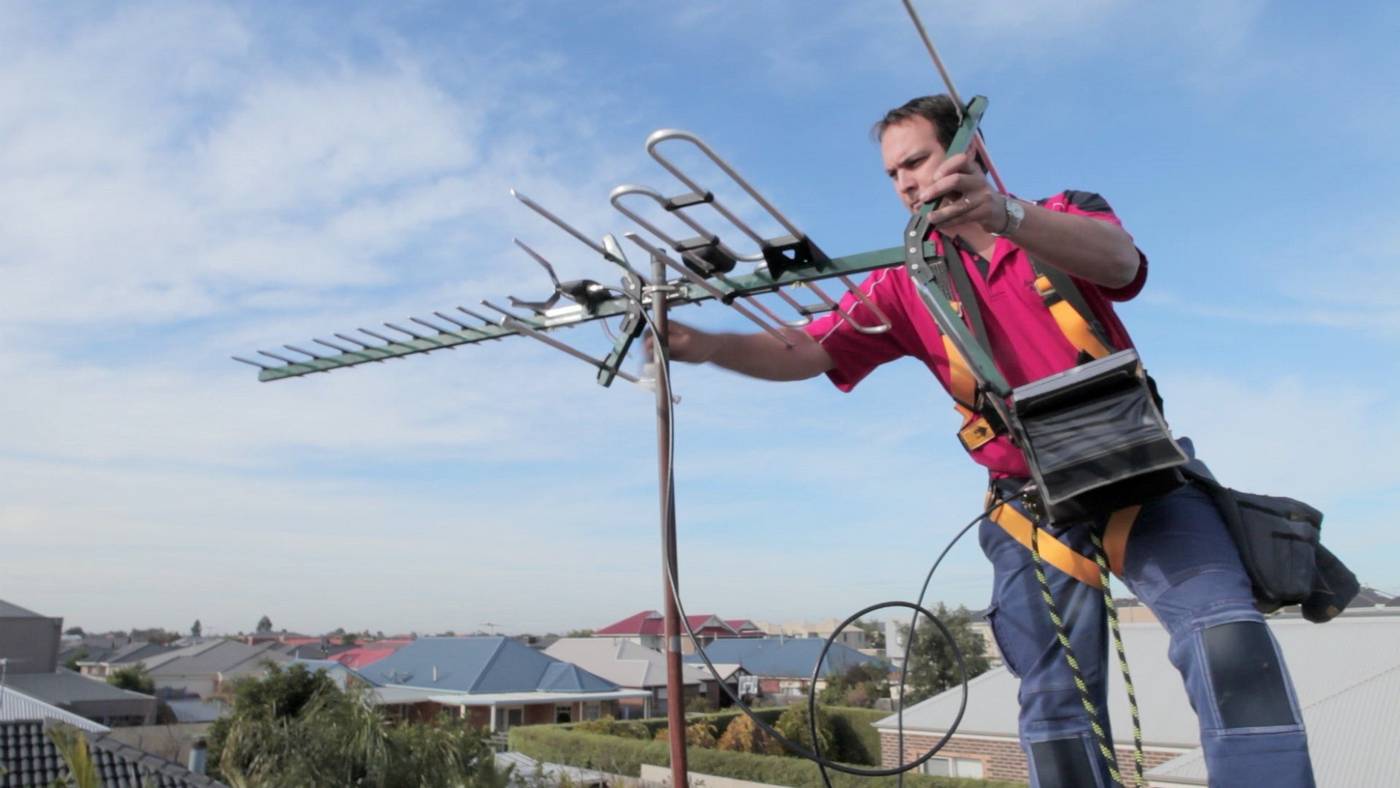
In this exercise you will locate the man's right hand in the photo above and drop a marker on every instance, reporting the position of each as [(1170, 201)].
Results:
[(688, 344)]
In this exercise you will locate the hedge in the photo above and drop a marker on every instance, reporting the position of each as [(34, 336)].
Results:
[(558, 744)]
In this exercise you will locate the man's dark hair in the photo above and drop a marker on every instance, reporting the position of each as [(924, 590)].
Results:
[(938, 110)]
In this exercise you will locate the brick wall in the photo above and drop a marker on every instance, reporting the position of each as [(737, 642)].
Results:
[(1001, 759)]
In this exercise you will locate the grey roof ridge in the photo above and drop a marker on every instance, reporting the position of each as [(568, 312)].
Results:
[(1352, 686), (491, 660)]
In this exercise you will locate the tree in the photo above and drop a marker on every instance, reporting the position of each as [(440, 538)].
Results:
[(155, 635), (932, 667), (133, 678), (264, 625), (296, 728), (196, 629), (859, 686), (74, 631), (80, 654), (579, 633), (742, 735)]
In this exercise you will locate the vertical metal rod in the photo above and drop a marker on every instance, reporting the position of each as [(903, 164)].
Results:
[(979, 144), (675, 687)]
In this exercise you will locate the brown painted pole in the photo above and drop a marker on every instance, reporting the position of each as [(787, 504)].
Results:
[(675, 688)]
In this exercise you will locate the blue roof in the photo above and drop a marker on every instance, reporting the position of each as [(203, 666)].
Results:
[(784, 657), (481, 665)]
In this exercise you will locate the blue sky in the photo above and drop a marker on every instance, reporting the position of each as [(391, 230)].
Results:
[(180, 182)]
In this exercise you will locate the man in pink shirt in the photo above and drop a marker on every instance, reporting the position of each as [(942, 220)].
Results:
[(1179, 559)]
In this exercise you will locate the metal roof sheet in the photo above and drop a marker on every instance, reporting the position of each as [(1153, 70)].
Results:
[(221, 656), (64, 687), (16, 706), (1351, 738), (473, 664), (783, 657), (1322, 661), (619, 660)]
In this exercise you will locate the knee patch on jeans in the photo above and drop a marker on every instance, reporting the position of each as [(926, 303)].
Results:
[(1246, 676), (1063, 763)]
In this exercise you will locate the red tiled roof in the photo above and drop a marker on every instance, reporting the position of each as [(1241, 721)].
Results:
[(647, 622), (650, 622), (361, 656)]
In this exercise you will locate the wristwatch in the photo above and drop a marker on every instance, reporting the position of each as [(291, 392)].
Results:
[(1015, 212)]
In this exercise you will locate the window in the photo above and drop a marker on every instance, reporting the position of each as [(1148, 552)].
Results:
[(953, 767), (506, 718), (563, 712), (592, 710)]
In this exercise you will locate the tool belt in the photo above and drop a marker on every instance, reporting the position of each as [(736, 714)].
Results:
[(1279, 544)]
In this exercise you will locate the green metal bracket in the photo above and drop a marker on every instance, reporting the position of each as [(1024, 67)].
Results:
[(926, 266)]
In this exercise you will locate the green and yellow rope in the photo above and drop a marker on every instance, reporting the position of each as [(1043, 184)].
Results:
[(1110, 757)]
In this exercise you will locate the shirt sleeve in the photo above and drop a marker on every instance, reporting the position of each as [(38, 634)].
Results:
[(1094, 206), (853, 353)]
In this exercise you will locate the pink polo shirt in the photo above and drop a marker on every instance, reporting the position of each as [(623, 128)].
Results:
[(1026, 343)]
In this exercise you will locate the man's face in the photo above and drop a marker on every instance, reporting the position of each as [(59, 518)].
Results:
[(911, 153)]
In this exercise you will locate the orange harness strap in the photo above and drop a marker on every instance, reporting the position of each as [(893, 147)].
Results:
[(1059, 555)]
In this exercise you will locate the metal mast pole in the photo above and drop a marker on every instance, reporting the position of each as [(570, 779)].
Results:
[(675, 688)]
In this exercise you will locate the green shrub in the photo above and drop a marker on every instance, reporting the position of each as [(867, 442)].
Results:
[(742, 735), (697, 734), (794, 725), (557, 744), (607, 726)]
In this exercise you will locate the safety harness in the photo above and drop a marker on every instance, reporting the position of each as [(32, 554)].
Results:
[(1082, 329)]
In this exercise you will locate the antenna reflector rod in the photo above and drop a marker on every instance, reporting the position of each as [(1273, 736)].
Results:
[(513, 322), (560, 223)]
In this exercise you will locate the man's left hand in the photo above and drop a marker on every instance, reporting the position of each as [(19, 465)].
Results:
[(967, 197)]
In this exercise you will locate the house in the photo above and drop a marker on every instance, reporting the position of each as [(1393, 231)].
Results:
[(369, 653), (204, 669), (633, 666), (29, 648), (852, 636), (1346, 674), (15, 706), (493, 682), (28, 641), (92, 698), (648, 628), (133, 653), (745, 628), (29, 757), (783, 666)]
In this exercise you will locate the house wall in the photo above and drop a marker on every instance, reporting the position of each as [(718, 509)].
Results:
[(539, 714), (30, 644), (1002, 758)]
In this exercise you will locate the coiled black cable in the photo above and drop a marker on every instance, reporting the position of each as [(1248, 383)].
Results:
[(663, 381)]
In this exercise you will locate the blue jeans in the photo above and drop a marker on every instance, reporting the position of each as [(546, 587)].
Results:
[(1182, 564)]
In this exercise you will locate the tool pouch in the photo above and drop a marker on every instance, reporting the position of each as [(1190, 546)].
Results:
[(1095, 439), (1278, 542)]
